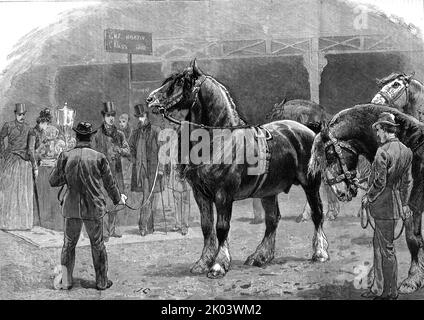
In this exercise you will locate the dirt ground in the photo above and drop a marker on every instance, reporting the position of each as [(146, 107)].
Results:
[(160, 270)]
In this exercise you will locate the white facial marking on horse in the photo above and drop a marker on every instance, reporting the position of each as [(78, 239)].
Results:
[(378, 99)]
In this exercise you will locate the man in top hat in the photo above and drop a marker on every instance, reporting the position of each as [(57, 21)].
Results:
[(390, 185), (18, 168), (144, 157), (85, 171), (112, 143)]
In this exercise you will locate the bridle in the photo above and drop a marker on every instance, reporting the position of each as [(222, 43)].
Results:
[(164, 109), (392, 99), (348, 175)]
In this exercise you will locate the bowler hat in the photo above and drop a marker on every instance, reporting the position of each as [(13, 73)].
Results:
[(109, 108), (84, 128), (386, 118), (139, 109), (20, 108)]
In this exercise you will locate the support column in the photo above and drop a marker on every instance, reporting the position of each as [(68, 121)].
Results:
[(315, 62)]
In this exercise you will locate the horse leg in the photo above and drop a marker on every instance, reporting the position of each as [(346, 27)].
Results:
[(258, 211), (222, 260), (305, 215), (333, 205), (209, 245), (319, 242), (414, 240), (265, 251)]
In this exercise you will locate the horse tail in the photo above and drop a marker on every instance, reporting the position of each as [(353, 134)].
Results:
[(317, 160)]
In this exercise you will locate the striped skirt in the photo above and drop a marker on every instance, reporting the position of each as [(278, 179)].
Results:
[(16, 193)]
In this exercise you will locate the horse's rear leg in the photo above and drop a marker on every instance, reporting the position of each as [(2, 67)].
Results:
[(265, 251), (222, 260), (209, 246), (319, 242)]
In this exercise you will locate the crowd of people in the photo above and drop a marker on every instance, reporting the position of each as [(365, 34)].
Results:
[(132, 153)]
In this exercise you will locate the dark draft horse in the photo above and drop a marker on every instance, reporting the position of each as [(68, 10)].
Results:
[(205, 103), (335, 154)]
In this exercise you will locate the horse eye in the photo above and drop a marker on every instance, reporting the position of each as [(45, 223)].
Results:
[(396, 84)]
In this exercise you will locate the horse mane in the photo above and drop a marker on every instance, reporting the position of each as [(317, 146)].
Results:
[(317, 161), (418, 88), (239, 113), (394, 75)]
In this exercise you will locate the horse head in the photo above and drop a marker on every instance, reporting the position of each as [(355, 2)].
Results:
[(336, 160), (178, 92), (395, 92)]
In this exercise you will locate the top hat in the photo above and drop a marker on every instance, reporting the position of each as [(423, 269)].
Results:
[(108, 108), (20, 108), (84, 128), (386, 118), (139, 109)]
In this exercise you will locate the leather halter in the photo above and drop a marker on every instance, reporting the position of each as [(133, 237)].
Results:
[(391, 100), (349, 176)]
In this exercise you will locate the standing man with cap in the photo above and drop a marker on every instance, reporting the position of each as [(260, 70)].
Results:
[(18, 169), (112, 143), (390, 185), (84, 171), (144, 157)]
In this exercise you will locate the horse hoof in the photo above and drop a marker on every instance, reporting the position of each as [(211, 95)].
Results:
[(199, 268), (300, 219), (320, 257), (257, 260), (410, 284), (216, 272), (331, 217)]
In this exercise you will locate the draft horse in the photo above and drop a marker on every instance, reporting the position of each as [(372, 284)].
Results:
[(335, 155), (204, 103), (402, 92)]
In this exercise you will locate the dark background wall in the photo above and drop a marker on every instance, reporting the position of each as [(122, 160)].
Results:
[(350, 79), (85, 88), (255, 84)]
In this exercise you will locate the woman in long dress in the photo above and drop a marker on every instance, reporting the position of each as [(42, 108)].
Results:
[(17, 168)]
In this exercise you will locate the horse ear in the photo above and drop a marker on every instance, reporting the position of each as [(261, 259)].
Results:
[(196, 71), (408, 78)]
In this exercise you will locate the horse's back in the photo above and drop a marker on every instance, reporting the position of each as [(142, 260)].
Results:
[(286, 126)]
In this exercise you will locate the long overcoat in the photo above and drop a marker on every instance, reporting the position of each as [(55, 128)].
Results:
[(144, 148), (113, 144), (390, 180), (84, 171)]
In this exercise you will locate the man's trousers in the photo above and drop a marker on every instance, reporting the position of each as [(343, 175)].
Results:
[(72, 230), (385, 263)]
